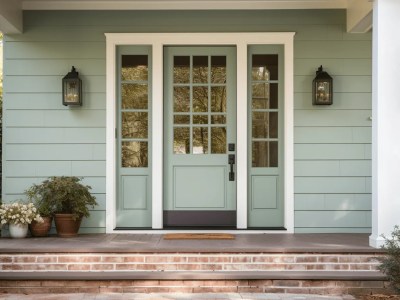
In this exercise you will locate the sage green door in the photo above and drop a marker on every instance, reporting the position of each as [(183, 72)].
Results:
[(199, 136)]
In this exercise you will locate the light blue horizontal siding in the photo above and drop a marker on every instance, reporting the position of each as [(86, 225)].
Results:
[(325, 202), (332, 144), (73, 117), (342, 101), (51, 101), (332, 135)]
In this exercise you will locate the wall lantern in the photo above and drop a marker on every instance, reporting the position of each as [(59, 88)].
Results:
[(322, 88), (72, 88)]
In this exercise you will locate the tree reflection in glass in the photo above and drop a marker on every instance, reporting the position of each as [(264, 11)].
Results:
[(203, 95), (134, 154)]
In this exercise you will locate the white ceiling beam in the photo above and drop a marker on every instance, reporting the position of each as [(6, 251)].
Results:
[(11, 16), (359, 16), (180, 4)]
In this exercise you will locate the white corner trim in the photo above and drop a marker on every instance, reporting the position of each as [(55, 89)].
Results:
[(157, 41)]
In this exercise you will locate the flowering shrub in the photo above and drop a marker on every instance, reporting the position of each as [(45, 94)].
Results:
[(19, 213)]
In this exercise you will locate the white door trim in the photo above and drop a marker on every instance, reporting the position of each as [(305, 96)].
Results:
[(157, 41)]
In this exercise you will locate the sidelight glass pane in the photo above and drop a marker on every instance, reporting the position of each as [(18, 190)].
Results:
[(260, 125), (218, 140), (218, 119), (134, 96), (200, 140), (264, 96), (200, 98), (134, 154), (264, 67), (273, 125), (218, 69), (273, 154), (200, 69), (181, 140), (134, 124), (181, 119), (181, 99), (260, 154), (265, 154), (181, 69), (200, 119), (134, 67), (218, 99)]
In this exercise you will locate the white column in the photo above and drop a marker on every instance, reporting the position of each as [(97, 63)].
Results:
[(385, 120)]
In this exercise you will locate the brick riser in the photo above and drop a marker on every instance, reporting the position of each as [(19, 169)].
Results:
[(99, 262), (186, 273), (321, 287)]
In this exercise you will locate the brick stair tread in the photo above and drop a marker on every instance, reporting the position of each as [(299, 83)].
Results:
[(195, 275)]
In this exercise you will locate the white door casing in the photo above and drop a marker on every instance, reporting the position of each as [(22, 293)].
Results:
[(157, 41)]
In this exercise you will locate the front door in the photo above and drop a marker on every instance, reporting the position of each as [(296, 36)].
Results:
[(199, 136)]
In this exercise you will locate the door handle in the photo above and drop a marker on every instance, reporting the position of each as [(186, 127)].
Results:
[(231, 161)]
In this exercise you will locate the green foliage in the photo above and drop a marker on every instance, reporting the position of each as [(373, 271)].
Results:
[(390, 263), (62, 194)]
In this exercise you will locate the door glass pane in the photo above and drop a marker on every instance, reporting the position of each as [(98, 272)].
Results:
[(200, 119), (181, 69), (181, 119), (181, 99), (218, 99), (134, 67), (218, 140), (134, 124), (218, 69), (265, 67), (134, 96), (200, 98), (200, 140), (218, 119), (134, 154), (181, 140), (200, 69)]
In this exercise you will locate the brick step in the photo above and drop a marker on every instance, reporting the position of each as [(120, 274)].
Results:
[(321, 283), (163, 262), (181, 275)]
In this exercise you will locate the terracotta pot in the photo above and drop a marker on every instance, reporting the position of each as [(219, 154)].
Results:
[(41, 229), (66, 226)]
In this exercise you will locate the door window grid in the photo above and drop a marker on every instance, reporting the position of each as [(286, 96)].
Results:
[(134, 111), (199, 115), (264, 110)]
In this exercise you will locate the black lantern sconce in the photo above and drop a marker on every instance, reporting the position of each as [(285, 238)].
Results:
[(72, 88), (322, 88)]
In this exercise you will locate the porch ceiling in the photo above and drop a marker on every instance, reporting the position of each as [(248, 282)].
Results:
[(358, 11)]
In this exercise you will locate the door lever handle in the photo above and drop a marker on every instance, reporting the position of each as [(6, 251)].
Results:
[(231, 162)]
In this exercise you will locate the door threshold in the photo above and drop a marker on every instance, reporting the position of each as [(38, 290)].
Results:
[(180, 230)]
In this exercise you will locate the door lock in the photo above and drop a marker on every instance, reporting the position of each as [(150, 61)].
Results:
[(231, 161)]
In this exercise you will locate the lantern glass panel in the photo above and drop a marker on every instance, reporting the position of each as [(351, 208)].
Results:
[(71, 91), (322, 91)]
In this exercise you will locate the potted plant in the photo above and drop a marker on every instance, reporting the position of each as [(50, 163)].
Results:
[(45, 208), (68, 199), (18, 216)]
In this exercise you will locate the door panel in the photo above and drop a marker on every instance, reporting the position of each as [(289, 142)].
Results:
[(199, 122), (266, 107)]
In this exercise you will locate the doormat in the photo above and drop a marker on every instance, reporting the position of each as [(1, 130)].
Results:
[(199, 236)]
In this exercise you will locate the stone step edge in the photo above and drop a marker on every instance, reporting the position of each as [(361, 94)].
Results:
[(196, 275)]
